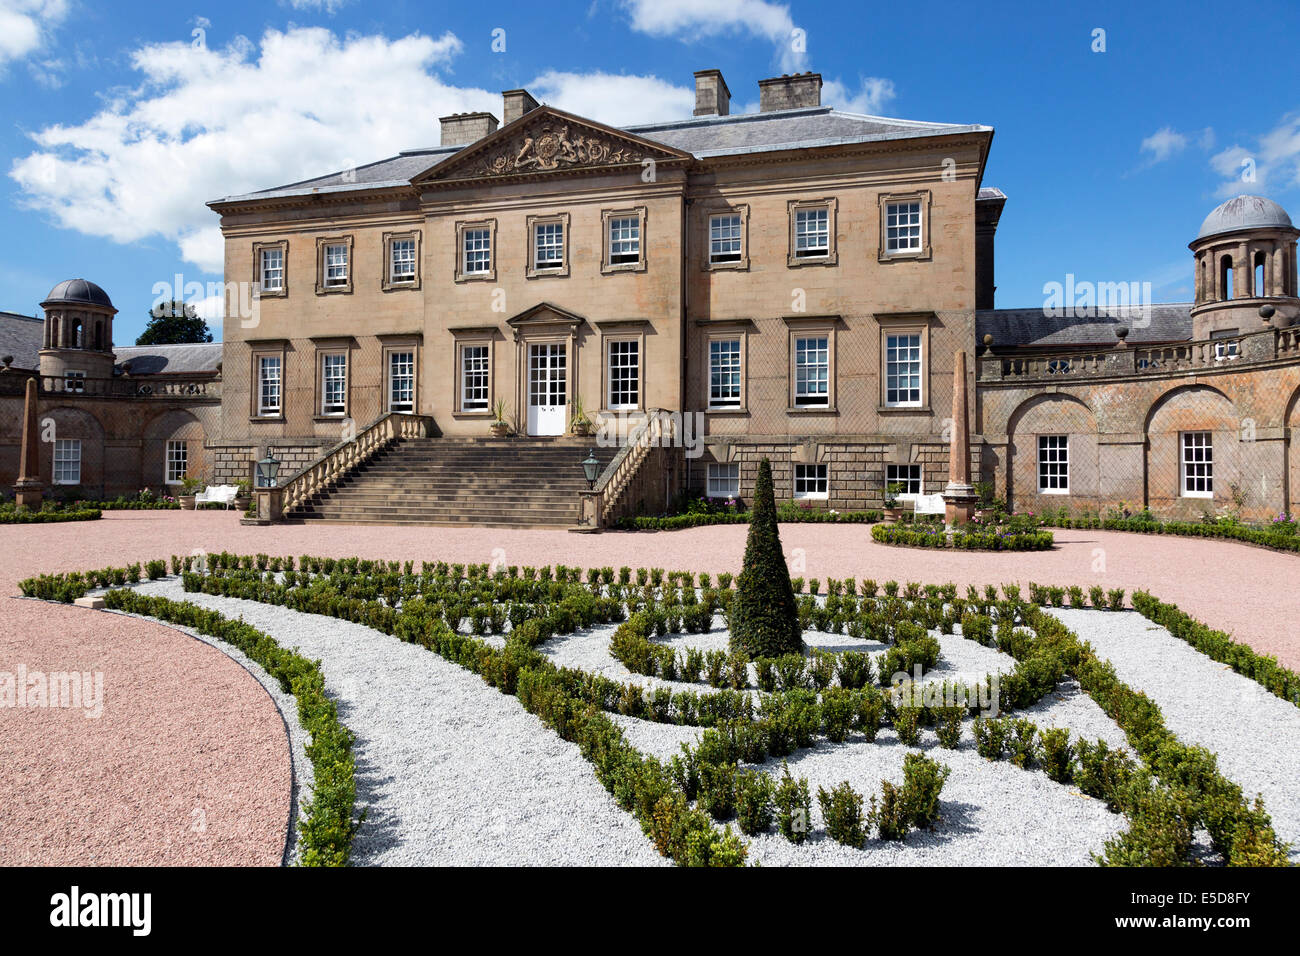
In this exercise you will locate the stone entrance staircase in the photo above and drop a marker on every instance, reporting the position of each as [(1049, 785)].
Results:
[(488, 482)]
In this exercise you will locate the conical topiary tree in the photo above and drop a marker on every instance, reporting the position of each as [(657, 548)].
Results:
[(764, 619)]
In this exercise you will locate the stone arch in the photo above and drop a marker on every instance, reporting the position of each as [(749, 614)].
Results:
[(1193, 408), (67, 423), (178, 425), (1052, 414)]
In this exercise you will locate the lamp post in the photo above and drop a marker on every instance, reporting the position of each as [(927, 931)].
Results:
[(267, 470), (591, 468)]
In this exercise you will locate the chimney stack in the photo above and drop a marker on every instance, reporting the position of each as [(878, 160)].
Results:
[(517, 103), (790, 92), (712, 98), (461, 128)]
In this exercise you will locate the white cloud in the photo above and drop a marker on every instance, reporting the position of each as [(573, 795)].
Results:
[(690, 19), (325, 6), (614, 99), (872, 96), (26, 26), (205, 123), (1274, 162), (1162, 144)]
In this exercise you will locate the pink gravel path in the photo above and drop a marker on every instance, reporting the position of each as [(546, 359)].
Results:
[(1249, 592), (188, 763)]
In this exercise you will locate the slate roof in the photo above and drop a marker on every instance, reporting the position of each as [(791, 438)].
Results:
[(1167, 322), (172, 359), (21, 336), (702, 136)]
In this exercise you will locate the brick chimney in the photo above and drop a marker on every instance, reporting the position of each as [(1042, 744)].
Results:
[(517, 103), (712, 98), (790, 92), (461, 128)]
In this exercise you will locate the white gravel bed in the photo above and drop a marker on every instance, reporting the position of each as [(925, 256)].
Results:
[(1068, 706), (993, 814), (1255, 734), (450, 771)]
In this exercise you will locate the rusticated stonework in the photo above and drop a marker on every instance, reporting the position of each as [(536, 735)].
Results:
[(551, 147)]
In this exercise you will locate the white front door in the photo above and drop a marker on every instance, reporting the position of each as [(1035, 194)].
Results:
[(547, 386)]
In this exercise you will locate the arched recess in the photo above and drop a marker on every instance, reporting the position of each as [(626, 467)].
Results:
[(1193, 409), (1052, 416), (173, 425), (72, 425)]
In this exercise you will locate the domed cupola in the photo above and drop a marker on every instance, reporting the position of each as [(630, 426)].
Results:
[(1245, 268), (78, 333)]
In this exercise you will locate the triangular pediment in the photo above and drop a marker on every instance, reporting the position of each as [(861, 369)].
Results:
[(544, 313), (546, 141)]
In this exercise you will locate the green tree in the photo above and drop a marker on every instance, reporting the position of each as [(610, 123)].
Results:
[(764, 618), (174, 323)]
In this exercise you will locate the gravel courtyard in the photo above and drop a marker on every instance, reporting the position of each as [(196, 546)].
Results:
[(186, 728)]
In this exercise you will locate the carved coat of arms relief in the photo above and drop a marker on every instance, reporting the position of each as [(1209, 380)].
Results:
[(552, 147)]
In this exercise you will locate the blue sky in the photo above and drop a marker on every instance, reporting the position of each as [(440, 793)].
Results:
[(121, 120)]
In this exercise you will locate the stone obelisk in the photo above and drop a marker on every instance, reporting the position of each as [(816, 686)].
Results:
[(959, 497), (28, 489)]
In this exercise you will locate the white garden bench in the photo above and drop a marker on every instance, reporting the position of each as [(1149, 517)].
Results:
[(217, 494), (929, 505)]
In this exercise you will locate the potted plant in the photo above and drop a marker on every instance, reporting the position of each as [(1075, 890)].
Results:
[(984, 510), (243, 494), (893, 507), (189, 488), (580, 421), (500, 427)]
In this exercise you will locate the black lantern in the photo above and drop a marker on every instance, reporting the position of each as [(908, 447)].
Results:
[(591, 468), (267, 469)]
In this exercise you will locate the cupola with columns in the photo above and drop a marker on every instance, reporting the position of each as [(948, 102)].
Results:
[(78, 331), (1245, 268)]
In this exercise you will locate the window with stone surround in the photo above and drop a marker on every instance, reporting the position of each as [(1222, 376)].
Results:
[(178, 458), (401, 260), (624, 373), (67, 461), (333, 264), (812, 232), (334, 383), (909, 476), (812, 371), (475, 377), (401, 380), (269, 369), (270, 264), (624, 234), (726, 237), (548, 245), (811, 481), (1197, 464), (723, 480), (904, 226), (725, 373), (1053, 464), (903, 369), (475, 250)]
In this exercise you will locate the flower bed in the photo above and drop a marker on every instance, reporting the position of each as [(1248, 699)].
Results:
[(1281, 534), (986, 539)]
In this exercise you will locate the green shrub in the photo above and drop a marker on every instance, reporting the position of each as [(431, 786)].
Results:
[(1103, 773), (1056, 754), (923, 781), (948, 725), (990, 737), (764, 620), (854, 670), (1097, 596), (755, 806), (793, 807), (889, 816), (907, 724), (842, 811), (838, 710), (1022, 748), (871, 712)]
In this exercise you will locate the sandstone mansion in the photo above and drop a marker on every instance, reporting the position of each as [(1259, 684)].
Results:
[(801, 277)]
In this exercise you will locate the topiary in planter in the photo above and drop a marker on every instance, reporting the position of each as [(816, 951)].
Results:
[(764, 617)]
